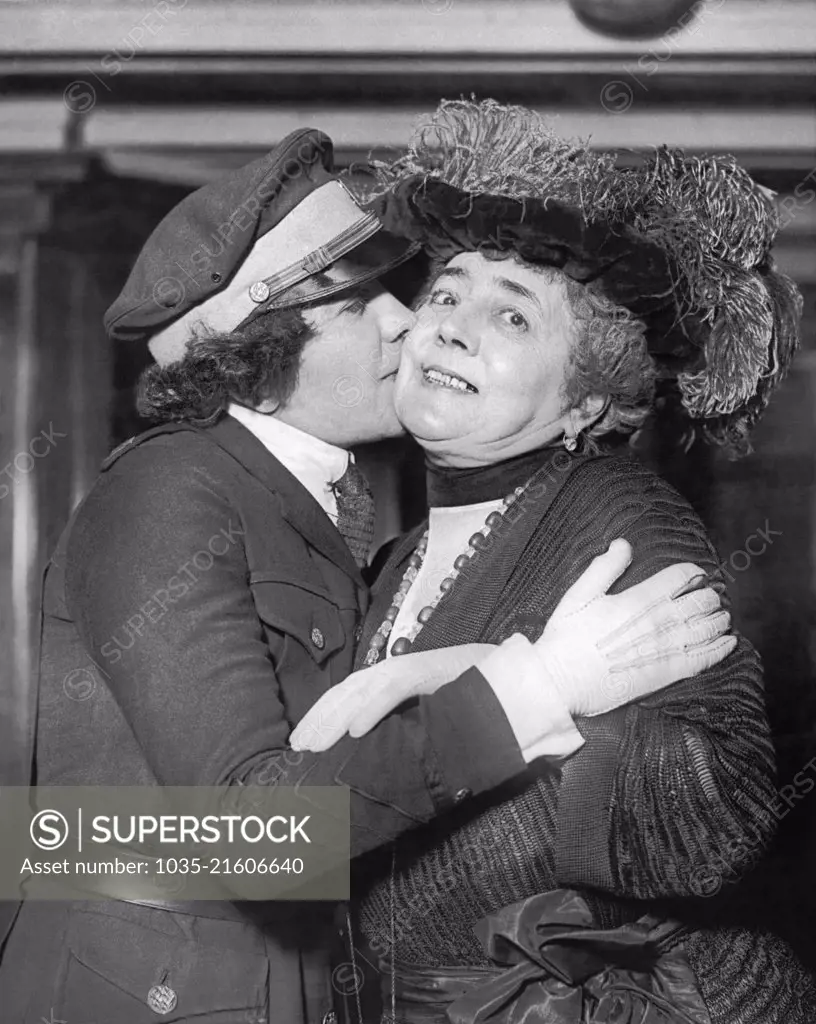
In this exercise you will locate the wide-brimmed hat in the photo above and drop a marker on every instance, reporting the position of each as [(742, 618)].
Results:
[(684, 243)]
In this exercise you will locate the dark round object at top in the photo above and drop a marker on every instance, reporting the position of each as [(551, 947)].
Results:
[(633, 19)]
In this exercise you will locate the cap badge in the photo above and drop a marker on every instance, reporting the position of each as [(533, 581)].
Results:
[(259, 292)]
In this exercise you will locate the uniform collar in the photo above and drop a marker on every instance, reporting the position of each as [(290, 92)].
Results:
[(297, 505), (316, 464)]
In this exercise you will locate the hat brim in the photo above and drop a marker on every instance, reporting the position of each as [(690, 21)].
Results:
[(369, 261), (447, 220)]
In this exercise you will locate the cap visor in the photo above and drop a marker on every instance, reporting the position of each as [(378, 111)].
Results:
[(367, 262)]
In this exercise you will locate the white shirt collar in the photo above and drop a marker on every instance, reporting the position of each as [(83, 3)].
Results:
[(315, 463)]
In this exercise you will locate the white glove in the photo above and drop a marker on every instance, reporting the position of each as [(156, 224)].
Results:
[(597, 652), (366, 697), (601, 651)]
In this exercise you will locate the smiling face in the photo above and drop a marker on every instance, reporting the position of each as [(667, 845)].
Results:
[(345, 388), (484, 370)]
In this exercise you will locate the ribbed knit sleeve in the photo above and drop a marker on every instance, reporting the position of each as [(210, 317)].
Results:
[(672, 795)]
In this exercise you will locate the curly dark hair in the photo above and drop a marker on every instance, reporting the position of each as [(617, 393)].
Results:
[(257, 362)]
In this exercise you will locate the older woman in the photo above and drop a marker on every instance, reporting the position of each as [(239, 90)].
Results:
[(567, 296)]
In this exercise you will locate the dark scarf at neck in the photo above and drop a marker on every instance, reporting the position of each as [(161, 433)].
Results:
[(453, 486)]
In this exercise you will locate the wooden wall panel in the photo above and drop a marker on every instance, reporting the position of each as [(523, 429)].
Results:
[(125, 28), (19, 471), (55, 392)]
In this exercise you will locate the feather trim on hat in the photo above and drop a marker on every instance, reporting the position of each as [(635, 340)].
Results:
[(488, 148), (737, 349), (733, 431), (682, 242)]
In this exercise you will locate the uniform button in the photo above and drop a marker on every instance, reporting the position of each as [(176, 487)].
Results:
[(162, 999), (318, 639), (259, 292), (358, 633), (461, 794), (329, 1017)]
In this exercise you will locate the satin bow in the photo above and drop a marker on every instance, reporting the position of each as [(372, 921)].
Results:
[(562, 970)]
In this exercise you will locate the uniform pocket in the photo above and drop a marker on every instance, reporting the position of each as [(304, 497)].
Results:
[(117, 970), (307, 614)]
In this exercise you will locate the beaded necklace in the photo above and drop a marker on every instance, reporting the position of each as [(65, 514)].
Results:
[(477, 542)]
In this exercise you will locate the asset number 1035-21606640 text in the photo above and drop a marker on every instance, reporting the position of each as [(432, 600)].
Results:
[(228, 866)]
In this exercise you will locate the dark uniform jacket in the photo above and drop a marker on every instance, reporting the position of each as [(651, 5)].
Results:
[(198, 604)]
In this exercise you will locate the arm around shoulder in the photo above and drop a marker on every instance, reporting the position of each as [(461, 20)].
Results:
[(158, 586)]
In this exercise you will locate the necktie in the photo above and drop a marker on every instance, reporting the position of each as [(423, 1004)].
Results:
[(355, 513)]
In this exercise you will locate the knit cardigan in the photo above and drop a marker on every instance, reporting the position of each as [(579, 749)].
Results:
[(669, 798)]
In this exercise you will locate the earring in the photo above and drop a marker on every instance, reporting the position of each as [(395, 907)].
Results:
[(267, 406), (570, 443)]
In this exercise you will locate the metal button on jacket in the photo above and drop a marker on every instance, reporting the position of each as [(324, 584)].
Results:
[(162, 999), (329, 1017), (460, 795), (318, 639)]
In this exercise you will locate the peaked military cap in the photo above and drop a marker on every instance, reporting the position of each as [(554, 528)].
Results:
[(267, 236)]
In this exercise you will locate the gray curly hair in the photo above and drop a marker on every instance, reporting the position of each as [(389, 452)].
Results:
[(609, 358)]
